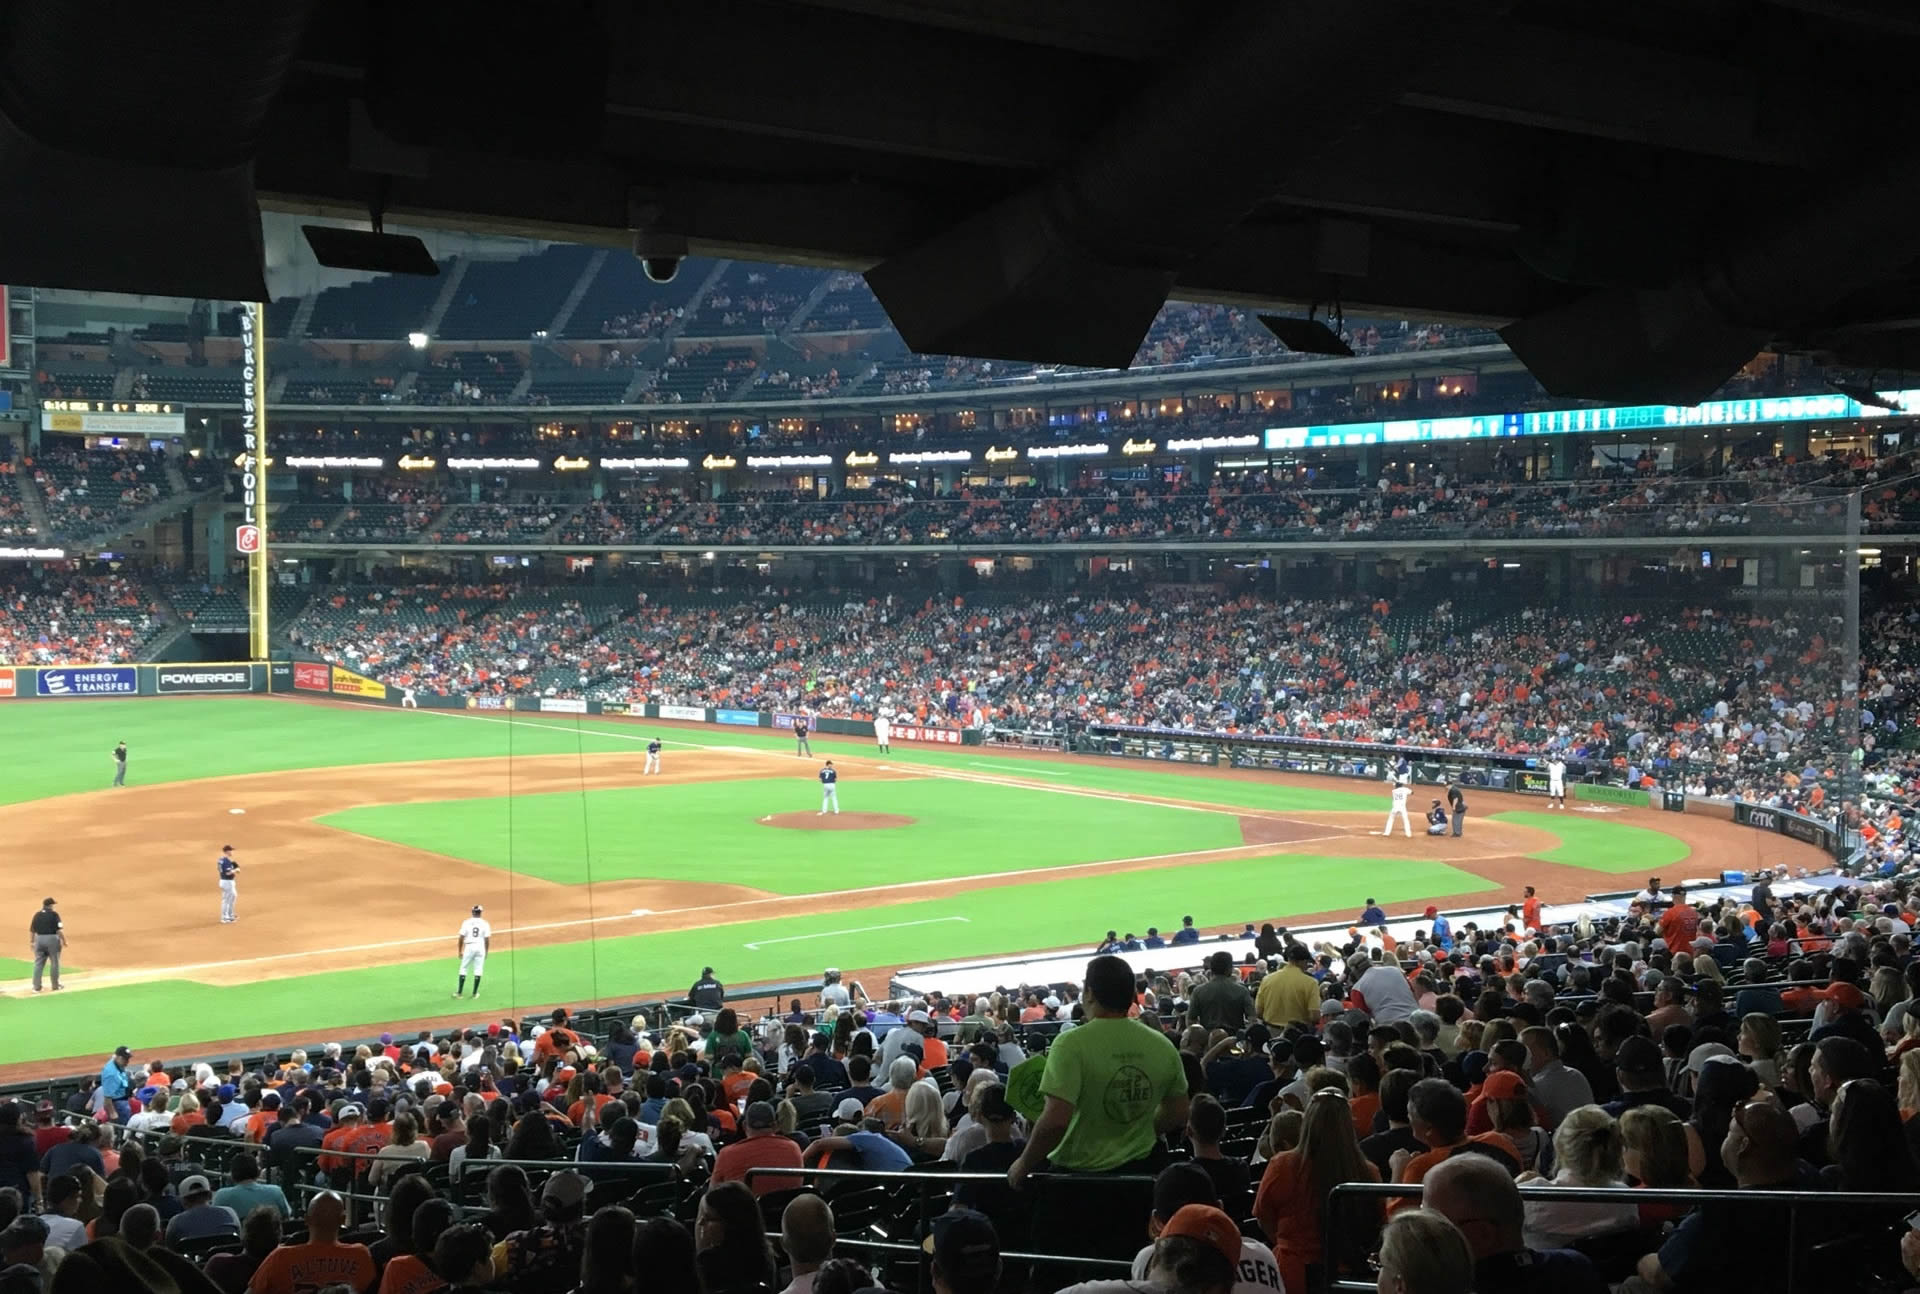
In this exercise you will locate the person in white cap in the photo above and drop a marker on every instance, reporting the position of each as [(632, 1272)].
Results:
[(474, 939), (912, 1033)]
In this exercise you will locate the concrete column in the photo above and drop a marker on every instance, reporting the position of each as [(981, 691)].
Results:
[(216, 545), (1794, 440)]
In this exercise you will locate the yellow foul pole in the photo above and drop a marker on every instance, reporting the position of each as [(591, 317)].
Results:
[(250, 537)]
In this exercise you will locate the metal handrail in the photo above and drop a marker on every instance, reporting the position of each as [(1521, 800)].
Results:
[(924, 1184), (1344, 1192)]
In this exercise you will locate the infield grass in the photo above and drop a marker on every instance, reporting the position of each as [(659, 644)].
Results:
[(979, 923), (1599, 845), (709, 831)]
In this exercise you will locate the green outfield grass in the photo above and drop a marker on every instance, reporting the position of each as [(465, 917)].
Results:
[(1599, 845), (177, 740), (969, 822), (980, 923), (709, 832)]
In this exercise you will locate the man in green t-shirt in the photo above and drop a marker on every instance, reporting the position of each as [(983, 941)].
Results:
[(1112, 1086)]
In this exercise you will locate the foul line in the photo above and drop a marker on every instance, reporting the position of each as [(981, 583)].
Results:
[(857, 930)]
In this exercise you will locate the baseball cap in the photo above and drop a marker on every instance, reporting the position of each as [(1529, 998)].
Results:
[(493, 1031), (195, 1185), (477, 909), (919, 1017), (270, 1100), (44, 1107), (965, 1245), (850, 1108), (1842, 994), (1638, 1056), (566, 1187), (1209, 1225), (226, 1091), (1504, 1085), (123, 1052), (1473, 1066), (1697, 1058), (760, 1115), (350, 1111), (1432, 911), (147, 1093)]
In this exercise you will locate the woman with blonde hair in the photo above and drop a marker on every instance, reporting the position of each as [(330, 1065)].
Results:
[(1887, 990), (1421, 1252), (1588, 1151), (1655, 1152), (1291, 1204), (694, 1134), (1705, 967), (1909, 1086), (1760, 1047), (923, 1127)]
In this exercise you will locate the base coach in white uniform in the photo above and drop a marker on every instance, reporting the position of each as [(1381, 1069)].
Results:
[(475, 937)]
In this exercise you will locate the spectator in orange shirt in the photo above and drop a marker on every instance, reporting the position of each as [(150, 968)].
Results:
[(1680, 923), (890, 1107), (1437, 1116)]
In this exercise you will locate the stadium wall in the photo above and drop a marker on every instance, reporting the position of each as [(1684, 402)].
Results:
[(105, 682)]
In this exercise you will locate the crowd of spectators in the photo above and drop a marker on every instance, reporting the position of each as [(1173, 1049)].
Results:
[(86, 491), (1751, 1043), (16, 525), (54, 618), (1407, 501)]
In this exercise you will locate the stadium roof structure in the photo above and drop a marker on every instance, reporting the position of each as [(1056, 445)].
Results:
[(1643, 196)]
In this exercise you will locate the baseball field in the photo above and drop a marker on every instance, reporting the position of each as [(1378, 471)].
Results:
[(365, 834)]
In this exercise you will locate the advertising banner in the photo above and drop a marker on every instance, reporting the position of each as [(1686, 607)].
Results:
[(741, 718), (785, 722), (170, 679), (279, 675), (310, 676), (115, 680), (6, 683), (347, 683), (689, 713), (486, 703), (945, 736), (1787, 823), (563, 704), (1611, 794), (615, 707)]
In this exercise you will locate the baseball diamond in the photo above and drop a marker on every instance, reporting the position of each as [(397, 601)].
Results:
[(413, 815)]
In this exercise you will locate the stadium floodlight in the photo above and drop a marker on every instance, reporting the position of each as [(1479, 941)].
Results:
[(417, 340)]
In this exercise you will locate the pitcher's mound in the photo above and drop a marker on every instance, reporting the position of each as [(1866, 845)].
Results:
[(837, 821)]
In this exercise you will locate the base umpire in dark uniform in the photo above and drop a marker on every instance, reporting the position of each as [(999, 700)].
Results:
[(47, 938)]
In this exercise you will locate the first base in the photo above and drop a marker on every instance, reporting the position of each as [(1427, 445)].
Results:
[(236, 810)]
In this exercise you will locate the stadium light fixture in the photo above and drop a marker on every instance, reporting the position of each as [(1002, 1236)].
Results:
[(417, 340)]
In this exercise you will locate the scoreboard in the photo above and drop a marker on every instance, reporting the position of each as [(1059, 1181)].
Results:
[(114, 417)]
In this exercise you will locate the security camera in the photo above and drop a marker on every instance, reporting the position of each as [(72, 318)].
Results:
[(659, 253)]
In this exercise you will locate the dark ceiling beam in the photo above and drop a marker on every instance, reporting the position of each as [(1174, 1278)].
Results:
[(1896, 16), (1121, 29), (843, 78), (1277, 264), (1586, 85)]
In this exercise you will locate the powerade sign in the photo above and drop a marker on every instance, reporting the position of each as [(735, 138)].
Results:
[(743, 718), (203, 678), (120, 680)]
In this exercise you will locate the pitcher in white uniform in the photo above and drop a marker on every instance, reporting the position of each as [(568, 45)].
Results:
[(883, 734), (1557, 782), (475, 937), (1399, 810)]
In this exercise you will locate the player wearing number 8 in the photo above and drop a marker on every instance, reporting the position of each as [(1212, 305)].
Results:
[(475, 937)]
